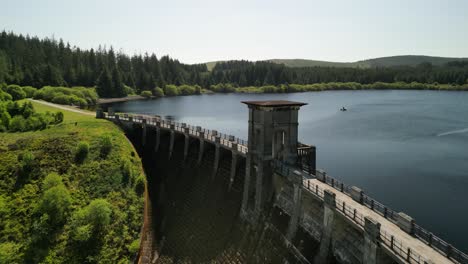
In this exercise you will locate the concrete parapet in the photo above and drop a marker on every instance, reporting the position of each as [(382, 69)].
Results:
[(296, 177), (372, 228), (214, 132), (198, 128), (329, 198), (405, 222), (231, 138), (183, 125), (321, 175), (356, 194), (234, 146)]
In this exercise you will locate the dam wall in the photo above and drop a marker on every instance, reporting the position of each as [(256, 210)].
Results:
[(218, 199)]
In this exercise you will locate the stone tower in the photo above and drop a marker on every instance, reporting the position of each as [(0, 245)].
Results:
[(273, 134)]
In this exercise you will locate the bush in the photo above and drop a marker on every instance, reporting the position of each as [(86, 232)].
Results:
[(158, 92), (171, 90), (106, 145), (127, 173), (81, 152), (27, 164), (59, 117), (55, 203), (186, 90), (9, 253), (62, 99), (140, 185), (17, 124), (16, 92), (29, 90), (51, 180), (4, 96), (146, 94), (5, 119), (98, 213), (134, 247)]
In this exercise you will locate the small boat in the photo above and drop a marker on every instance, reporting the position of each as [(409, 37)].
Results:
[(343, 109)]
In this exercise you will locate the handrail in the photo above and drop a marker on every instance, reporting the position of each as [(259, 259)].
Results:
[(406, 253)]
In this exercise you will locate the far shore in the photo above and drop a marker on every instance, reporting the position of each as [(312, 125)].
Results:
[(120, 99)]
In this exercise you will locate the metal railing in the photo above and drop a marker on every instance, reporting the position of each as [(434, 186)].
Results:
[(390, 241), (209, 135)]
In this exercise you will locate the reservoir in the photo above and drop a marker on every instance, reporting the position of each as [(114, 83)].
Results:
[(407, 149)]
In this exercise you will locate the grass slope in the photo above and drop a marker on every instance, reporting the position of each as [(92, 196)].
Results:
[(97, 177)]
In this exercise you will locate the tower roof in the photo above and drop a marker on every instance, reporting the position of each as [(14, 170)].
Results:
[(273, 103)]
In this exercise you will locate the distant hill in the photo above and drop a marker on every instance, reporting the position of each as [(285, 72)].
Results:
[(404, 60)]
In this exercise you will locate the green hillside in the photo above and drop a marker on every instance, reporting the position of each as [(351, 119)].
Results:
[(404, 60)]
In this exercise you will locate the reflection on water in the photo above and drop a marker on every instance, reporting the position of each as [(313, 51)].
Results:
[(408, 149)]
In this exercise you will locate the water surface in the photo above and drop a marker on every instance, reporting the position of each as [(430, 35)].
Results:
[(408, 149)]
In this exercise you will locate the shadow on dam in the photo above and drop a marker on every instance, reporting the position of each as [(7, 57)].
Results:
[(195, 212)]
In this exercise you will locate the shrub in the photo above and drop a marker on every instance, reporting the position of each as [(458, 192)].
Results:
[(140, 185), (27, 163), (98, 213), (17, 124), (186, 89), (4, 96), (5, 119), (62, 99), (16, 92), (106, 145), (146, 94), (29, 90), (171, 90), (55, 202), (59, 117), (9, 252), (134, 247), (127, 173), (81, 152), (51, 180), (158, 92)]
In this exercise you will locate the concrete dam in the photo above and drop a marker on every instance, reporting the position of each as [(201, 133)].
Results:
[(214, 198)]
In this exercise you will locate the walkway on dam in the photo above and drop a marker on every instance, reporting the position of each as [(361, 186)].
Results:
[(407, 241)]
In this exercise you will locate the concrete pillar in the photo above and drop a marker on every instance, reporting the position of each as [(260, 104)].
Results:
[(217, 153), (328, 218), (297, 200), (371, 240), (158, 138), (259, 188), (233, 168), (99, 113), (171, 143), (245, 195), (202, 147), (186, 145), (143, 136)]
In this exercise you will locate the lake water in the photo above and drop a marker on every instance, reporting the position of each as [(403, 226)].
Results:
[(407, 149)]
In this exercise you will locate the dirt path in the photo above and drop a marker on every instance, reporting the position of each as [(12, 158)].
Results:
[(65, 107)]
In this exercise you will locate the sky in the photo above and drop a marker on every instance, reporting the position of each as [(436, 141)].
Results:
[(210, 30)]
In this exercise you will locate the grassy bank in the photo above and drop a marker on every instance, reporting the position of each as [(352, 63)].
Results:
[(70, 193)]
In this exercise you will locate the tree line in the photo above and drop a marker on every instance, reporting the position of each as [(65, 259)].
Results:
[(30, 61)]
